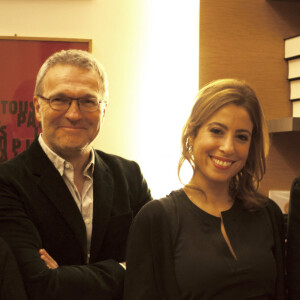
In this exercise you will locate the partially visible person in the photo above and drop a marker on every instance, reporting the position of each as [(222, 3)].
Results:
[(66, 208), (217, 237), (11, 283), (293, 241)]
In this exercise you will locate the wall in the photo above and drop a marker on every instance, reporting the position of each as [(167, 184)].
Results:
[(244, 39), (150, 51)]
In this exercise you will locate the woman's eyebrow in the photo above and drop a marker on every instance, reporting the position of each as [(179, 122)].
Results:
[(218, 124), (225, 127), (244, 130)]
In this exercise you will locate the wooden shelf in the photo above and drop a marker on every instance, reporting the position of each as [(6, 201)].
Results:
[(284, 125), (284, 0)]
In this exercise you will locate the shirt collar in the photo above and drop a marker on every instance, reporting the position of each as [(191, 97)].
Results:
[(60, 163)]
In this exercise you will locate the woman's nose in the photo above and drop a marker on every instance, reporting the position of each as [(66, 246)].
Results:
[(227, 145)]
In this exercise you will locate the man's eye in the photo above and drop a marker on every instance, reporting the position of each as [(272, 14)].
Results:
[(88, 101), (60, 100)]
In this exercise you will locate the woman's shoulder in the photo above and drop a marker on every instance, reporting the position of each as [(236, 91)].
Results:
[(267, 204), (276, 216), (160, 217), (161, 207), (162, 203), (273, 207)]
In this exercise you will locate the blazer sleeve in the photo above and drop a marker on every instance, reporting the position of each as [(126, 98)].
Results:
[(11, 283), (149, 258)]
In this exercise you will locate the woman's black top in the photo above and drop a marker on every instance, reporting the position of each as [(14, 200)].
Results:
[(176, 251), (204, 266)]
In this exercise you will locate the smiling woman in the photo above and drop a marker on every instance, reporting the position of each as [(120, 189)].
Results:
[(236, 104), (221, 146), (217, 237)]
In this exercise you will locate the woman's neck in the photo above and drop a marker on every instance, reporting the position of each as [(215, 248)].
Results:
[(211, 198)]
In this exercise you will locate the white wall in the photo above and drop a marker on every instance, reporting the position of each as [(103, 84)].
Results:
[(150, 51)]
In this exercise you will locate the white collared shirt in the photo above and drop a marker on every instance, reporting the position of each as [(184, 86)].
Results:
[(83, 201)]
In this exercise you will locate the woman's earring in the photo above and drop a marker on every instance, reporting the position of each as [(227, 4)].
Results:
[(190, 146)]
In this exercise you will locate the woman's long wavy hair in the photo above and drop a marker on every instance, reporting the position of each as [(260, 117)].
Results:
[(215, 95)]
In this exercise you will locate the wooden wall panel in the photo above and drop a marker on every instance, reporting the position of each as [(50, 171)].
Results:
[(283, 163), (244, 39)]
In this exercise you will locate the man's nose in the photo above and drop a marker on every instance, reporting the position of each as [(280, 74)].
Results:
[(74, 111)]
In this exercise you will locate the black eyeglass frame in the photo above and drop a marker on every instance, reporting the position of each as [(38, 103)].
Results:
[(71, 99)]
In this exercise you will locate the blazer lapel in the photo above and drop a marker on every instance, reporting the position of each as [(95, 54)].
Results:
[(54, 188), (103, 199)]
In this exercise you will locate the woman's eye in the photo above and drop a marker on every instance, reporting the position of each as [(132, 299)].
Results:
[(215, 130), (243, 137)]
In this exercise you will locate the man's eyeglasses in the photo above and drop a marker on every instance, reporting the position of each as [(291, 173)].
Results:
[(63, 103)]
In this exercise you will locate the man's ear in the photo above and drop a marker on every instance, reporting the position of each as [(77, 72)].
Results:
[(103, 107), (104, 110), (37, 108)]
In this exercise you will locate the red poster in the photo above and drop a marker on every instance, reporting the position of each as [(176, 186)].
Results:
[(20, 60)]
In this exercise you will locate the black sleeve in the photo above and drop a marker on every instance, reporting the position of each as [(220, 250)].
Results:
[(293, 242), (140, 282), (150, 267), (129, 172), (277, 220), (11, 283)]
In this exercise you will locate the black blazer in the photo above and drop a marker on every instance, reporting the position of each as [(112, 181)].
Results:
[(293, 241), (37, 211)]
